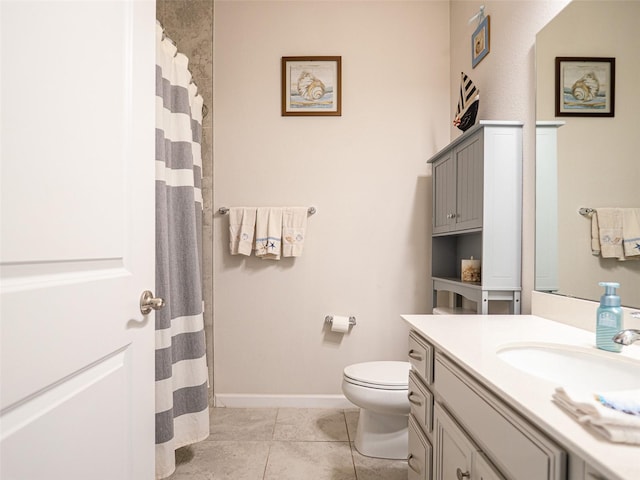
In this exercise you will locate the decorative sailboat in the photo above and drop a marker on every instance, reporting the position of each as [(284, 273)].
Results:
[(468, 103)]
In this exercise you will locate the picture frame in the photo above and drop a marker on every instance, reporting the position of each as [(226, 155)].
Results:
[(480, 42), (585, 86), (312, 86)]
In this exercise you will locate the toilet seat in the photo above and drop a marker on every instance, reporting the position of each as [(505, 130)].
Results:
[(387, 375)]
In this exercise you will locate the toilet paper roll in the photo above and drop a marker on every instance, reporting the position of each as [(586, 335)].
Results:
[(340, 324)]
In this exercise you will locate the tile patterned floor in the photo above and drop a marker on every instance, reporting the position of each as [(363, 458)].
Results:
[(282, 444)]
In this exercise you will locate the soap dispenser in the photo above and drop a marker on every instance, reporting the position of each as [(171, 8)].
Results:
[(609, 318)]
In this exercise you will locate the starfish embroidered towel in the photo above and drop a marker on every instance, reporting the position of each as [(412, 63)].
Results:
[(268, 232), (609, 221), (631, 231), (242, 224), (294, 226)]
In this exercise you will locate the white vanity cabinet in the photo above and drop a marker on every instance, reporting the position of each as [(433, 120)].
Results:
[(490, 419), (459, 430), (477, 205)]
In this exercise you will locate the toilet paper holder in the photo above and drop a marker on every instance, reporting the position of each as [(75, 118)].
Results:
[(329, 320)]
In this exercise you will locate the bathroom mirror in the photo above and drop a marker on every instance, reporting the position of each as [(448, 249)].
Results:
[(596, 161)]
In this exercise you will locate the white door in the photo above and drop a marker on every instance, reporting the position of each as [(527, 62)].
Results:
[(77, 239)]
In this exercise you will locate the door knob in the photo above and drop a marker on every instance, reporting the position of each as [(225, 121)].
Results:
[(148, 302)]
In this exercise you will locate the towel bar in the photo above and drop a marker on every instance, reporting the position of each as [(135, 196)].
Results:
[(587, 212), (225, 210)]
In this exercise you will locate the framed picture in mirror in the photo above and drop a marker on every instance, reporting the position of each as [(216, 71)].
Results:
[(585, 86)]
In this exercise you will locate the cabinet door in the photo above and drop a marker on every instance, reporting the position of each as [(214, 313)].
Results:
[(469, 183), (453, 449), (483, 470), (591, 474), (444, 194), (419, 458)]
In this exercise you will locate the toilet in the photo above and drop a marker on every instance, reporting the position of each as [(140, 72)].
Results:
[(380, 390)]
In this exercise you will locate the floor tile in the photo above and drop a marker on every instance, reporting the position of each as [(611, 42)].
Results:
[(242, 423), (368, 468), (217, 460), (311, 424), (310, 460), (282, 444), (352, 416)]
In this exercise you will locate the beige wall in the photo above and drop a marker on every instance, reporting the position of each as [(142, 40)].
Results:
[(506, 79), (367, 248), (597, 157)]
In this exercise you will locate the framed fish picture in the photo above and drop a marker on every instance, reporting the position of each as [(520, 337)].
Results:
[(585, 86), (311, 86)]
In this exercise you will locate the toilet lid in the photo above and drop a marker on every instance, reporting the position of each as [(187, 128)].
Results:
[(384, 375)]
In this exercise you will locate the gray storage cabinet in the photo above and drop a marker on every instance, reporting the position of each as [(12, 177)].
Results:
[(477, 211)]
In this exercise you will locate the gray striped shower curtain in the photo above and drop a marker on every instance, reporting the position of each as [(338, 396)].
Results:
[(182, 412)]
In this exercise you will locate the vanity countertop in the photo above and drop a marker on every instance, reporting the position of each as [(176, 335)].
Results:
[(473, 340)]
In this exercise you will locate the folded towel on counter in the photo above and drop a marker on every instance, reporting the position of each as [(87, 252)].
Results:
[(631, 231), (294, 226), (242, 224), (268, 232), (613, 415), (609, 225)]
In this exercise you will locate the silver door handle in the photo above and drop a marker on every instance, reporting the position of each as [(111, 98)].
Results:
[(148, 302)]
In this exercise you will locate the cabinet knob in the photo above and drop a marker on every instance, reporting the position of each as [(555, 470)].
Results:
[(415, 355), (462, 476), (412, 462)]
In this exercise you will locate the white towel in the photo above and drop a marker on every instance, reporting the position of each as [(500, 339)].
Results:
[(631, 232), (242, 224), (595, 234), (609, 221), (614, 415), (294, 226), (269, 233)]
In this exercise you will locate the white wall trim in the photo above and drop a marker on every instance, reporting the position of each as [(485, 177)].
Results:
[(243, 400)]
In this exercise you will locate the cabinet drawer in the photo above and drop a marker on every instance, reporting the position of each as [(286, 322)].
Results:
[(420, 453), (421, 401), (518, 449), (421, 357)]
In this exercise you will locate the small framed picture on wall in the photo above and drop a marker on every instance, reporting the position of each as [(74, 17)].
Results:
[(585, 86), (311, 86), (480, 41)]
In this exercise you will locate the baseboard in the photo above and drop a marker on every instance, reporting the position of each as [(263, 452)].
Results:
[(242, 400)]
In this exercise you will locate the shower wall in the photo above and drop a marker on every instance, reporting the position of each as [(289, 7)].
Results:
[(189, 23)]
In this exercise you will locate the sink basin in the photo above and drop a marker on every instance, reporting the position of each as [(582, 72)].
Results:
[(571, 366)]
